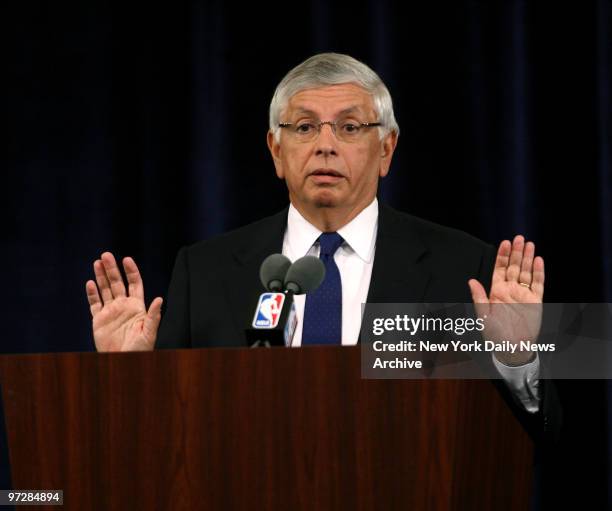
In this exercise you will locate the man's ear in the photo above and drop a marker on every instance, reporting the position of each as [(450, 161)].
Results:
[(388, 145), (275, 151)]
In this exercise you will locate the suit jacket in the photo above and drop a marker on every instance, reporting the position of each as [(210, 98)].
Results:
[(215, 285)]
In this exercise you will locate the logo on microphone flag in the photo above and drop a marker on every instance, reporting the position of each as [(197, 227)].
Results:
[(269, 310)]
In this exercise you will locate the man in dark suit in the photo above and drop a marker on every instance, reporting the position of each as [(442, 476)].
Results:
[(332, 137), (215, 284)]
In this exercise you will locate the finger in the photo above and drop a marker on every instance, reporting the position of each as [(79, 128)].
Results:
[(501, 261), (537, 284), (135, 286), (93, 297), (479, 297), (526, 274), (516, 258), (113, 274), (103, 283), (151, 322)]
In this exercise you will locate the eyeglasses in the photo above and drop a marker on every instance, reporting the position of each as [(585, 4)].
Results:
[(344, 130)]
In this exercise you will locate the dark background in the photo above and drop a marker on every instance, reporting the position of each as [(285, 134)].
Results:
[(139, 129)]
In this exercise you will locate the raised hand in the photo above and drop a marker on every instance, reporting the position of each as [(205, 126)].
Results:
[(513, 308), (120, 319)]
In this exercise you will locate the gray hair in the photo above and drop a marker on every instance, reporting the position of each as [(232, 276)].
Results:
[(333, 69)]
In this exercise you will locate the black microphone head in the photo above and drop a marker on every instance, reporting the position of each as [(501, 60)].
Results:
[(273, 270), (305, 275)]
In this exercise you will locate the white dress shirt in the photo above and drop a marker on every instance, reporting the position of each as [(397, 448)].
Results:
[(354, 259)]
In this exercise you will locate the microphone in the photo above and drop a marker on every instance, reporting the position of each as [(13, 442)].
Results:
[(305, 275), (273, 270), (275, 319)]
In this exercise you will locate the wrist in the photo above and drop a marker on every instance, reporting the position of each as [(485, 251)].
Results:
[(516, 359)]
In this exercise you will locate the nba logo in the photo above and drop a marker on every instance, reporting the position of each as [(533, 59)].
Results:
[(269, 310)]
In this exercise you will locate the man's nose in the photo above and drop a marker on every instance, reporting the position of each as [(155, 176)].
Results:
[(326, 142)]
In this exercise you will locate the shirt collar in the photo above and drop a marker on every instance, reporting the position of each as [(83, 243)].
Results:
[(359, 234)]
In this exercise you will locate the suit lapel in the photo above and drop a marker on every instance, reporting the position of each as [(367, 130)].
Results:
[(244, 286), (400, 273)]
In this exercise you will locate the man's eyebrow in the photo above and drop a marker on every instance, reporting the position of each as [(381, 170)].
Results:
[(350, 110)]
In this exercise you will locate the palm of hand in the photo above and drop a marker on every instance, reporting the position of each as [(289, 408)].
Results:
[(119, 326), (514, 314), (120, 319)]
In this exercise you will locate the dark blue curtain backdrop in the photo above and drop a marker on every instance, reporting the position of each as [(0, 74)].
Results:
[(141, 129)]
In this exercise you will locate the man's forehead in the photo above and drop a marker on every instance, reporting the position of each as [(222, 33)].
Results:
[(341, 99)]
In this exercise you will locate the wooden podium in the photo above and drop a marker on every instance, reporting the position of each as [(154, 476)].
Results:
[(262, 429)]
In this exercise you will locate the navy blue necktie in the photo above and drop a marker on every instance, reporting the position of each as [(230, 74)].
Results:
[(323, 310)]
